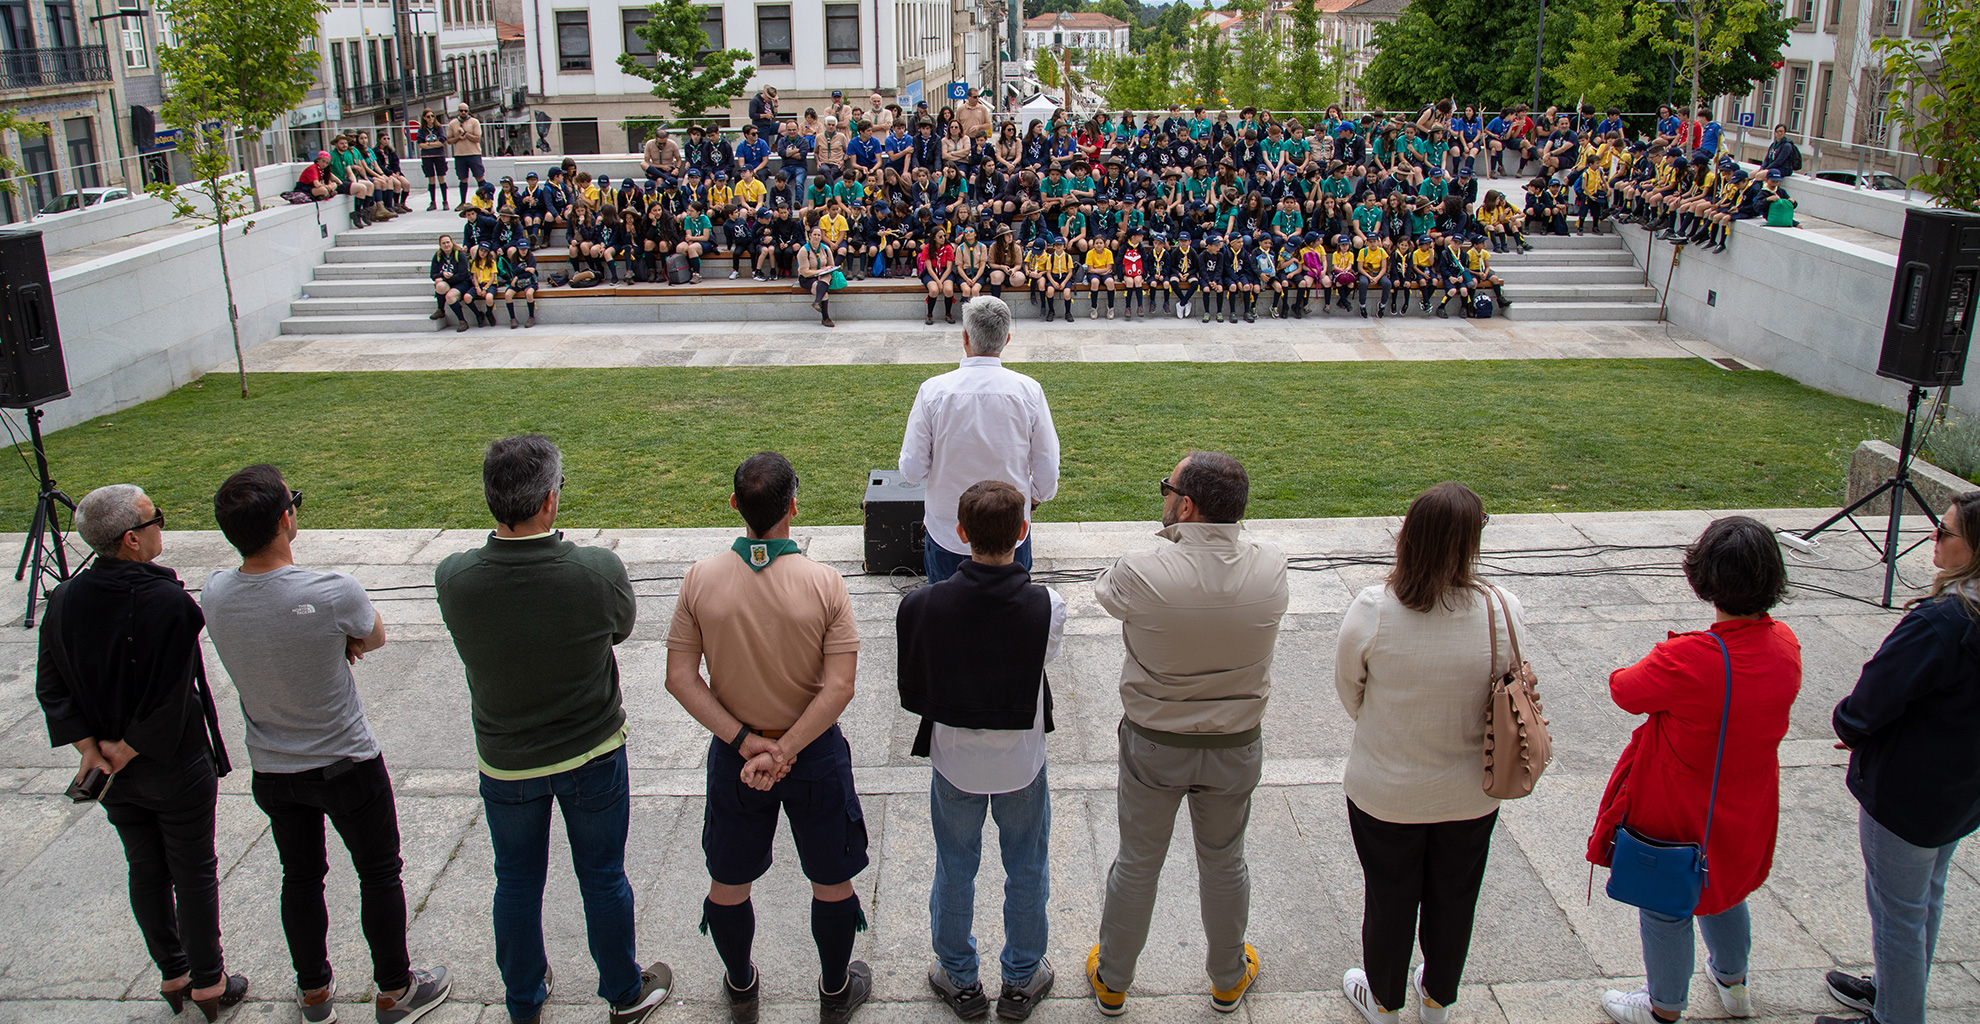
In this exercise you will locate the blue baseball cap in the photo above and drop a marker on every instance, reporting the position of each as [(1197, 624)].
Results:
[(1774, 174), (694, 172), (1436, 172), (721, 175)]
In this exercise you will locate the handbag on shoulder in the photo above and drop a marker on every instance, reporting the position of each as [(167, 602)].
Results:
[(1663, 876), (1517, 746)]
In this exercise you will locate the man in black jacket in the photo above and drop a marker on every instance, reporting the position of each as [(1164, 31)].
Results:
[(973, 650), (1783, 156), (119, 678), (1915, 770)]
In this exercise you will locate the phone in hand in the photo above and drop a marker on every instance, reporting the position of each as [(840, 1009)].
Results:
[(91, 786)]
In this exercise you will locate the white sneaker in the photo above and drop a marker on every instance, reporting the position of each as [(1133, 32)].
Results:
[(733, 274), (1629, 1007), (1735, 998), (1424, 1009), (1354, 985)]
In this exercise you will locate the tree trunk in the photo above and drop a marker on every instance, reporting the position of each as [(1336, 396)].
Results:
[(233, 316), (254, 161)]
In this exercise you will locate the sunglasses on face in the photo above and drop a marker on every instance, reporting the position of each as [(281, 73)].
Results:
[(156, 520), (1940, 533), (1169, 488)]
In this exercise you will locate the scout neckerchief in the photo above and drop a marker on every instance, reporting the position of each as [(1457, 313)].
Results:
[(758, 554)]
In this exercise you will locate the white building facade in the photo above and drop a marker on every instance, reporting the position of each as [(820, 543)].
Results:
[(1086, 31), (907, 50)]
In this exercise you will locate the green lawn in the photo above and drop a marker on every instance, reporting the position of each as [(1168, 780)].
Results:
[(656, 447)]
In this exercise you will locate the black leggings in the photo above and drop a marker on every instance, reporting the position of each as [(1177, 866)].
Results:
[(164, 815), (1438, 867)]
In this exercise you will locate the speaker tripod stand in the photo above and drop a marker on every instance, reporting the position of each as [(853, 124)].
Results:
[(1897, 488), (44, 540)]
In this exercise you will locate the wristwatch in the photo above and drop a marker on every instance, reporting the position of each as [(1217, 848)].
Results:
[(741, 735)]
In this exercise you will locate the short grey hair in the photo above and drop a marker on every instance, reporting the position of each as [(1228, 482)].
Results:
[(986, 325), (517, 474), (104, 515)]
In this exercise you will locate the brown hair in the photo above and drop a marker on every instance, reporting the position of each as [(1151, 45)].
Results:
[(1437, 547), (1965, 579), (992, 514)]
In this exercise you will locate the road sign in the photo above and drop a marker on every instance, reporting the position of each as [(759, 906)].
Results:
[(958, 90), (1013, 69), (1746, 120)]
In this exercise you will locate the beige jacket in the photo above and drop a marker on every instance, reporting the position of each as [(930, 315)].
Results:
[(1200, 618), (1416, 685), (831, 147)]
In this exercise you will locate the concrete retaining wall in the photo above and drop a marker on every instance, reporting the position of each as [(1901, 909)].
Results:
[(1873, 462), (1802, 304), (138, 324), (1867, 209), (61, 232)]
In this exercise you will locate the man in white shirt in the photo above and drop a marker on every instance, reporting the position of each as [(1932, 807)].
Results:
[(979, 421), (973, 651)]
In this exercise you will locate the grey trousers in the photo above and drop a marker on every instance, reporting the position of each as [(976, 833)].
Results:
[(1154, 781)]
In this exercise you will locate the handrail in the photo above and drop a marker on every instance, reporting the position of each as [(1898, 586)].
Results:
[(53, 65)]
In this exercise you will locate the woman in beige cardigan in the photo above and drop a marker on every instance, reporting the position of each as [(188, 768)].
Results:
[(1412, 668)]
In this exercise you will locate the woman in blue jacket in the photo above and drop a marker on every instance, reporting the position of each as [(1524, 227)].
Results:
[(1914, 766)]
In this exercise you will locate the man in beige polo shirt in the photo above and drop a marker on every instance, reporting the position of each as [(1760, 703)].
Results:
[(776, 630)]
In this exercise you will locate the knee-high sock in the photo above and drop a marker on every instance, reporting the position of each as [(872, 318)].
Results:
[(1110, 300), (948, 305), (439, 303), (460, 313), (833, 926), (531, 306), (512, 309), (733, 929)]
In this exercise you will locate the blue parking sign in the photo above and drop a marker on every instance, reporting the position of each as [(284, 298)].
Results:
[(1746, 120)]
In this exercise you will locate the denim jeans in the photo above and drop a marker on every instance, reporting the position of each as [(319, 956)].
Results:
[(1906, 889), (1024, 825), (939, 563), (1668, 952), (595, 800)]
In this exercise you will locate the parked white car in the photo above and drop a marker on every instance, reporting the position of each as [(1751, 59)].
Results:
[(80, 198)]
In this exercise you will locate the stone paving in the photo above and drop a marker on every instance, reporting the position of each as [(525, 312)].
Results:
[(1323, 339), (1543, 950)]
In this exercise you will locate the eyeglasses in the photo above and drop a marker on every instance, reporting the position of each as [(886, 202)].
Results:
[(1487, 517), (157, 520), (295, 499), (1940, 533), (1169, 488)]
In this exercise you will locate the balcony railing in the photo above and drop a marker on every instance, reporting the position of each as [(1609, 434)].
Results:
[(59, 65), (486, 97), (379, 94)]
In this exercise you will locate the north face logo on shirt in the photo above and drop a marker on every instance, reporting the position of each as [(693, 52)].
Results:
[(303, 609)]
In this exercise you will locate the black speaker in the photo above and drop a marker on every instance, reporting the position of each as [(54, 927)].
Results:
[(31, 370), (894, 532), (1931, 317)]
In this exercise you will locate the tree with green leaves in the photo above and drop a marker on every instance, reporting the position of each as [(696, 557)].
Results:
[(241, 65), (216, 197), (1936, 100), (1305, 83), (1594, 69), (684, 72), (1722, 46), (1258, 54), (1208, 55), (11, 121), (1045, 68)]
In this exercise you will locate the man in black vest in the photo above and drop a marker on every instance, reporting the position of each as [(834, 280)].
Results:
[(973, 650)]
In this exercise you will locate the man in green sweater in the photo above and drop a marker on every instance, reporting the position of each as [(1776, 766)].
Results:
[(535, 619)]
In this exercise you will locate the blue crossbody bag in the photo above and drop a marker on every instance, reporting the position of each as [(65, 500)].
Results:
[(1661, 876)]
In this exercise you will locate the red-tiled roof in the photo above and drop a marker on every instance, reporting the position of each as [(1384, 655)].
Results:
[(508, 32), (1084, 21)]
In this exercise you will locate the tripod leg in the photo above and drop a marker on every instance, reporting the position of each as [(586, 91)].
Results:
[(31, 559), (34, 535), (1891, 534)]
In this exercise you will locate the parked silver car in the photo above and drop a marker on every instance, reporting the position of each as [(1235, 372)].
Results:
[(1876, 180), (80, 198)]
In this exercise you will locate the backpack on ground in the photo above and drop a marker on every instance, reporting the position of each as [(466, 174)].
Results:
[(1481, 307), (678, 270), (584, 279)]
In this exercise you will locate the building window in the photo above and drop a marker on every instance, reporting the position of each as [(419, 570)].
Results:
[(841, 33), (1805, 11), (711, 27), (1822, 111), (1797, 97), (574, 43), (580, 134), (1891, 13), (39, 163), (631, 20), (137, 53), (80, 133), (1835, 12), (773, 35), (337, 67), (433, 54), (62, 23), (1764, 113), (15, 33)]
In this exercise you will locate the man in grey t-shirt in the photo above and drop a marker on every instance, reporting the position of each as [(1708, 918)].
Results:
[(288, 636)]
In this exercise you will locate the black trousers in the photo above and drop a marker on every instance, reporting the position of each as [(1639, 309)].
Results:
[(358, 801), (1436, 868), (164, 815)]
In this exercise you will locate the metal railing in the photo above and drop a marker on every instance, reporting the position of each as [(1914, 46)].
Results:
[(57, 65), (483, 98), (370, 95)]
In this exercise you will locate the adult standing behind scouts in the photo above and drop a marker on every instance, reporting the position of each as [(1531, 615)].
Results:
[(288, 636), (1914, 767), (119, 677), (464, 138), (980, 421), (1411, 667), (776, 629), (535, 618), (1663, 785), (973, 652), (1199, 617)]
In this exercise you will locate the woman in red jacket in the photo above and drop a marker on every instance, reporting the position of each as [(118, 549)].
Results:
[(1663, 783)]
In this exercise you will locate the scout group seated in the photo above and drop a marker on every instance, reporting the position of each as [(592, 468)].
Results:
[(1199, 217)]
